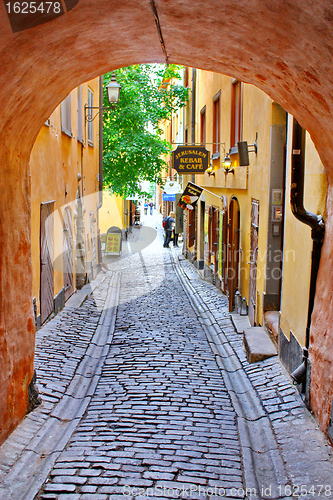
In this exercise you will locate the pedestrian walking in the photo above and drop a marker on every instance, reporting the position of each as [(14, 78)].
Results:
[(175, 238), (145, 207), (151, 207), (168, 228)]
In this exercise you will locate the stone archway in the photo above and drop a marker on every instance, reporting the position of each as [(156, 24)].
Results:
[(283, 47)]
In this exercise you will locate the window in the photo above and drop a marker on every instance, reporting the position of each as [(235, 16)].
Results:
[(186, 136), (203, 126), (216, 126), (236, 113), (66, 115), (90, 124), (79, 114)]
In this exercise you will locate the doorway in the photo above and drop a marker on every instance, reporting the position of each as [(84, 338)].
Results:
[(213, 239), (233, 249), (253, 261), (68, 253), (223, 241), (46, 260)]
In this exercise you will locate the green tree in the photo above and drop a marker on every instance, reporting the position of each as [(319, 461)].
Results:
[(132, 143)]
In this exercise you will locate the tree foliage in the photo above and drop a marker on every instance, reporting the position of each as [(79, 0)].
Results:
[(133, 149)]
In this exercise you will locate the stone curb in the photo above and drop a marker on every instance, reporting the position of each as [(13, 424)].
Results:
[(262, 461), (77, 299), (26, 477)]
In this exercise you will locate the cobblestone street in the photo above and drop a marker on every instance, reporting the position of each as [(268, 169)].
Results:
[(147, 393)]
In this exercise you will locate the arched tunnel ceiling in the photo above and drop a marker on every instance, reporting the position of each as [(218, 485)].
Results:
[(284, 47)]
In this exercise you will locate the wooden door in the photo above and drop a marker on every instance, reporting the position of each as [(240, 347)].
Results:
[(46, 260), (196, 233), (253, 260), (191, 227), (233, 250), (201, 236), (210, 235), (223, 242), (68, 252), (213, 238)]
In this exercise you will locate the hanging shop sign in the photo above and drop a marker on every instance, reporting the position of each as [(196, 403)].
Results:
[(190, 196), (172, 187), (190, 159), (169, 197)]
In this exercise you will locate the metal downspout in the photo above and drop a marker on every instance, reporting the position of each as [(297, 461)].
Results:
[(100, 170), (317, 225), (100, 159)]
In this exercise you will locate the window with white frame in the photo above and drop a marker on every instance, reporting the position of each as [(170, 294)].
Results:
[(90, 112), (236, 113), (216, 125), (79, 114), (66, 115)]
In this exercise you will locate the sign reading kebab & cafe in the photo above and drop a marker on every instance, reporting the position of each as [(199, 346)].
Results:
[(190, 159)]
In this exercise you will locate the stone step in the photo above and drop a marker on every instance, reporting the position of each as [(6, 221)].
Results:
[(240, 322), (258, 345)]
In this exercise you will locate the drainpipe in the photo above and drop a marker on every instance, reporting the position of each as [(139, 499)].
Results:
[(317, 233), (100, 165), (100, 171)]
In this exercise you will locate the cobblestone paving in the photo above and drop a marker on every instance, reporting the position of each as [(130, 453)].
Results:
[(305, 451), (161, 417), (160, 423), (60, 346)]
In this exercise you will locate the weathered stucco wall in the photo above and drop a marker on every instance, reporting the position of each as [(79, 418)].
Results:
[(298, 242), (321, 333), (55, 162), (285, 48), (17, 326)]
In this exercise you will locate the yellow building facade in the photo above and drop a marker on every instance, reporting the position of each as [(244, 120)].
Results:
[(65, 183), (243, 234), (112, 213)]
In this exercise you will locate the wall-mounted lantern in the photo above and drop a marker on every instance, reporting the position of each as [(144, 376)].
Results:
[(113, 91), (227, 165), (210, 171)]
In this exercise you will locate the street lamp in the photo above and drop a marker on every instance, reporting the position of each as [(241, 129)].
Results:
[(227, 165), (210, 171), (113, 91)]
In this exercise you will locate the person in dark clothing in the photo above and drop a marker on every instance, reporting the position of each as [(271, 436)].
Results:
[(175, 238), (168, 228)]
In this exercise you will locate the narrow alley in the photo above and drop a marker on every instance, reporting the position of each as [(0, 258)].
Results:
[(147, 393)]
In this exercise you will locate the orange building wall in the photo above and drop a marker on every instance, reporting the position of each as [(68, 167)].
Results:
[(56, 162)]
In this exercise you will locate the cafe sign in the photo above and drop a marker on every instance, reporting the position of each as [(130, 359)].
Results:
[(190, 159)]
